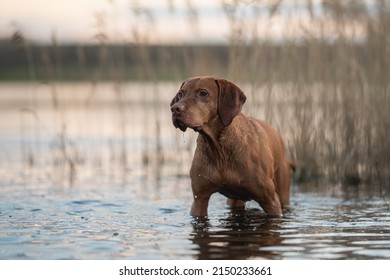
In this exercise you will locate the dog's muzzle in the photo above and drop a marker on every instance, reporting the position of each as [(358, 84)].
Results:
[(177, 116)]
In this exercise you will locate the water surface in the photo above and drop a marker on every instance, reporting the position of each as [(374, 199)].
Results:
[(105, 176), (137, 222)]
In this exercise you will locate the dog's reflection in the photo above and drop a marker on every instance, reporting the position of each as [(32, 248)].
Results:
[(242, 234)]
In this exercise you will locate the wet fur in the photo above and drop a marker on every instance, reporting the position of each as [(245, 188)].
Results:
[(237, 156)]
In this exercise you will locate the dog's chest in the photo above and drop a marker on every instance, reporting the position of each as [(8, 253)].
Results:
[(229, 168), (228, 174), (227, 182)]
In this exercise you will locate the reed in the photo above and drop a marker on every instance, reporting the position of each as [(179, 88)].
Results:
[(333, 84), (326, 86)]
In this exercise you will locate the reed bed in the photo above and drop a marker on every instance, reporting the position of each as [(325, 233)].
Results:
[(325, 87)]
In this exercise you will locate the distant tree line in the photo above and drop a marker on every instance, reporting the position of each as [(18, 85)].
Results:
[(305, 61)]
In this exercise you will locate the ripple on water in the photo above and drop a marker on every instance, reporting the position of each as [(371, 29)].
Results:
[(86, 202), (110, 223), (374, 253)]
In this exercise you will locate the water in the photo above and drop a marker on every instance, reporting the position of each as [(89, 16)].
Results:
[(114, 185), (107, 222)]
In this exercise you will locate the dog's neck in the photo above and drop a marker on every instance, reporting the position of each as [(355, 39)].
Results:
[(215, 134)]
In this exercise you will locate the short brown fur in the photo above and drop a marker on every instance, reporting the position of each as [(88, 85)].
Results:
[(237, 156)]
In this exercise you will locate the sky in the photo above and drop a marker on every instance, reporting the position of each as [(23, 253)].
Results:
[(156, 21), (77, 20), (151, 21)]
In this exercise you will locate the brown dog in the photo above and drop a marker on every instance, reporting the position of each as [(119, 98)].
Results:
[(237, 156)]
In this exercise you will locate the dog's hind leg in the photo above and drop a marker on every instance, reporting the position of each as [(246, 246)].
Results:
[(235, 203)]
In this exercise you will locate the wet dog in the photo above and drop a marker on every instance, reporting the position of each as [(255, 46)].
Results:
[(237, 156)]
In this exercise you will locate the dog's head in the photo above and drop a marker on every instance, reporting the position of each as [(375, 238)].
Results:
[(203, 99)]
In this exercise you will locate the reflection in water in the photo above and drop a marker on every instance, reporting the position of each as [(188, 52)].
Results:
[(240, 235)]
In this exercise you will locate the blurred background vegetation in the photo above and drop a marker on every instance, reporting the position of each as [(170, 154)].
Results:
[(326, 89)]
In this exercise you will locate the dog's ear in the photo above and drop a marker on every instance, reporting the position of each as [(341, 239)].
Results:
[(230, 101), (176, 98)]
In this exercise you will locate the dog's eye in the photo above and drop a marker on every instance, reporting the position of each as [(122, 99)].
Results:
[(180, 94), (203, 93)]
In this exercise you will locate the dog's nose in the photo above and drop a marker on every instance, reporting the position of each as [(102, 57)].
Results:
[(177, 108)]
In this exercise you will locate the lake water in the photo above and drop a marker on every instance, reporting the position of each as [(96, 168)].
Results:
[(99, 172)]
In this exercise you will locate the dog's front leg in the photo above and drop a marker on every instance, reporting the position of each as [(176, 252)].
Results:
[(199, 206), (269, 199), (202, 189)]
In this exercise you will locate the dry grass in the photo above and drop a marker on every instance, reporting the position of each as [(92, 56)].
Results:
[(328, 95)]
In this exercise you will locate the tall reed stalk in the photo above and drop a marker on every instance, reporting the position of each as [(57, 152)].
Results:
[(325, 85)]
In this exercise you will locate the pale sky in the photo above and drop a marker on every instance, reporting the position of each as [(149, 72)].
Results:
[(76, 20), (153, 21)]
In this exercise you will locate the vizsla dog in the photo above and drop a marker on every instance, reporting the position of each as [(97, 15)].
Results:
[(237, 156)]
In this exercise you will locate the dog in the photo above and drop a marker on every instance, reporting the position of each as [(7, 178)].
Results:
[(238, 156)]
